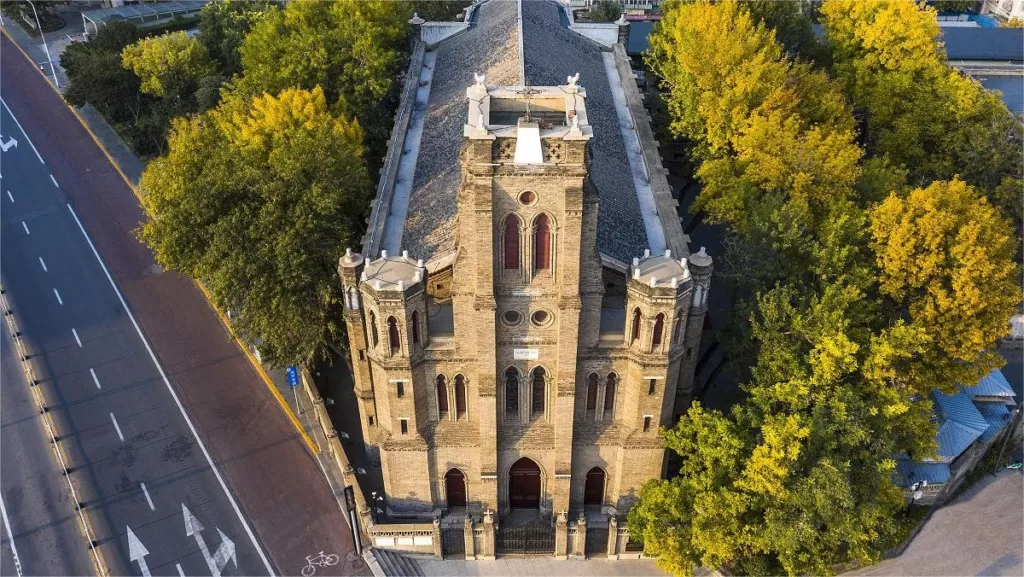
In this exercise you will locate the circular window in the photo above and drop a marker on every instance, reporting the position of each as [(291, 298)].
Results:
[(511, 318), (541, 318), (527, 197)]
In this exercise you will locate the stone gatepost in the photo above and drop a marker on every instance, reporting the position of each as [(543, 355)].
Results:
[(561, 537), (613, 537), (487, 547), (581, 536), (468, 535), (623, 36), (436, 536)]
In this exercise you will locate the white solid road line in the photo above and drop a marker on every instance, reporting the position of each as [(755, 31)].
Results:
[(144, 491), (10, 537), (116, 427), (95, 379), (77, 340), (60, 300), (54, 181), (44, 264), (23, 131), (9, 196), (177, 401), (25, 226), (181, 573)]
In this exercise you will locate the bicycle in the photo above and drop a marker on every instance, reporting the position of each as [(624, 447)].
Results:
[(320, 560)]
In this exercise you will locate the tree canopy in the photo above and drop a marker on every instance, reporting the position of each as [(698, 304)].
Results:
[(223, 26), (605, 11), (861, 296), (169, 65), (257, 198)]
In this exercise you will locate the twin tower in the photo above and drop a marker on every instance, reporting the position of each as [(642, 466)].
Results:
[(525, 370)]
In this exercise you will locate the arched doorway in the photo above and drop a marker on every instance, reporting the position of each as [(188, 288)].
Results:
[(593, 490), (524, 485), (455, 488)]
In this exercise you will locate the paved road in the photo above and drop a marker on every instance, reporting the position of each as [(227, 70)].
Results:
[(34, 494), (981, 533), (88, 215), (138, 463)]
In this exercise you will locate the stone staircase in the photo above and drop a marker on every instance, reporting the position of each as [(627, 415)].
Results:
[(385, 563)]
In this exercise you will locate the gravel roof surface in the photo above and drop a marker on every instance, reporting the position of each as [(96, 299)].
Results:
[(551, 53)]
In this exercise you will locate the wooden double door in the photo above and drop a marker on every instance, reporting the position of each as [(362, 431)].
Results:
[(524, 485)]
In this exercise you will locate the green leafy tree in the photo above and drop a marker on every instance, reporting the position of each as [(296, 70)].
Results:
[(169, 65), (256, 198), (920, 114), (353, 49), (97, 77), (223, 25), (605, 11)]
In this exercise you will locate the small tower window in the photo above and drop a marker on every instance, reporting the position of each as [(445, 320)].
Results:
[(442, 396), (416, 327), (635, 331), (542, 243), (511, 242), (404, 424), (537, 406), (659, 328), (609, 395), (647, 423), (652, 386), (460, 397), (400, 389), (393, 339), (511, 391), (373, 330)]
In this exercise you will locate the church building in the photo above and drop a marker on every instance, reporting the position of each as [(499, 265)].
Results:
[(524, 312)]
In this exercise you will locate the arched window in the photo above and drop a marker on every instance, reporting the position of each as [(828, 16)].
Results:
[(592, 393), (609, 395), (542, 243), (511, 242), (659, 328), (537, 406), (635, 332), (511, 391), (393, 339), (460, 397), (441, 384), (416, 327), (373, 330)]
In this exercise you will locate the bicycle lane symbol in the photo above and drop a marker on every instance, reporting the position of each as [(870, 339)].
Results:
[(321, 560)]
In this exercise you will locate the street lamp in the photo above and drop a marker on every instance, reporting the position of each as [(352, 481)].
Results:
[(45, 47)]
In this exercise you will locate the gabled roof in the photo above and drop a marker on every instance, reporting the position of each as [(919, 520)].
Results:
[(915, 472), (996, 414), (539, 51), (962, 424), (993, 384)]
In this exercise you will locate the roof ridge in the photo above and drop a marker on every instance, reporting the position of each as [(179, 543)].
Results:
[(522, 57)]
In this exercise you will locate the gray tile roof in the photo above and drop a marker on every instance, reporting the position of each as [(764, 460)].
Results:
[(551, 52)]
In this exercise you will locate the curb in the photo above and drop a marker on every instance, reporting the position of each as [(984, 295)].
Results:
[(223, 320)]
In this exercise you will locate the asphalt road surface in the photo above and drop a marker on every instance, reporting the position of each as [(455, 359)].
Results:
[(184, 460), (37, 507)]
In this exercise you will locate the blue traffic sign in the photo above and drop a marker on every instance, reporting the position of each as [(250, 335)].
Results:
[(293, 376)]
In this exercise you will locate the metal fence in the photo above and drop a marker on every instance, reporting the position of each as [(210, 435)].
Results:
[(533, 539)]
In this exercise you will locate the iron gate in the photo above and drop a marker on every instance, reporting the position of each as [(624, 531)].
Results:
[(453, 542), (532, 539), (597, 540)]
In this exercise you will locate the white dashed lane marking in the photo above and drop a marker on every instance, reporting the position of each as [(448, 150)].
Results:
[(77, 340)]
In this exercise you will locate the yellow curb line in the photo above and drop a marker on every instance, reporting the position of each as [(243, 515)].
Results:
[(224, 321)]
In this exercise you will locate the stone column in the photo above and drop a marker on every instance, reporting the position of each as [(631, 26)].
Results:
[(467, 529), (415, 24), (623, 30), (436, 536), (613, 537), (487, 547), (561, 537), (581, 536)]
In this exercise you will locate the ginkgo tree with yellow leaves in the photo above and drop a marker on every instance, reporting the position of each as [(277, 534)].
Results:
[(867, 294), (257, 198)]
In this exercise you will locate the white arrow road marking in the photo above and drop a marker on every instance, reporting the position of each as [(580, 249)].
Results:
[(22, 131), (225, 551), (5, 146), (137, 552)]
